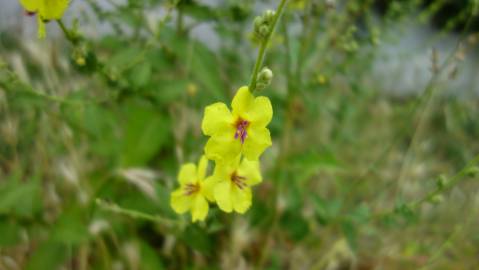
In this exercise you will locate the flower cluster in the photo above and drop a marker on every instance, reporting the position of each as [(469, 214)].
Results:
[(45, 10), (237, 139)]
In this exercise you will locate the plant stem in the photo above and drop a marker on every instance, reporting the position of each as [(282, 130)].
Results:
[(264, 44), (132, 213), (66, 32)]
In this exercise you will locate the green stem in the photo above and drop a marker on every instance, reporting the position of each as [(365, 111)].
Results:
[(264, 44), (132, 213), (66, 32)]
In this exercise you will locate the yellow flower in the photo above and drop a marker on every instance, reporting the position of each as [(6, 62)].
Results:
[(241, 131), (46, 9), (193, 192), (232, 184)]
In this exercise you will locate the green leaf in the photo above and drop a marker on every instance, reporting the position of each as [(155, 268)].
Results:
[(150, 258), (10, 233), (141, 74), (70, 228), (48, 255), (145, 132), (294, 223), (197, 239), (20, 198), (326, 210)]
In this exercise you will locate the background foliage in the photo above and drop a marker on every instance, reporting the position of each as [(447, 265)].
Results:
[(94, 128)]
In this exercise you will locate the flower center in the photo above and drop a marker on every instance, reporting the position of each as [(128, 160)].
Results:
[(191, 189), (30, 13), (239, 181), (241, 133)]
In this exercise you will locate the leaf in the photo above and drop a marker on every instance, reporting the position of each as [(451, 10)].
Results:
[(141, 74), (150, 258), (70, 228), (294, 223), (20, 198), (145, 132), (48, 255), (10, 233), (197, 239), (326, 210)]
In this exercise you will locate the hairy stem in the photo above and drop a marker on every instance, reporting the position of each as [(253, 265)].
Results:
[(264, 44)]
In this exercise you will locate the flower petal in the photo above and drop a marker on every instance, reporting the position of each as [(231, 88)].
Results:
[(223, 196), (217, 119), (223, 148), (52, 9), (30, 5), (242, 101), (250, 170), (199, 208), (202, 166), (242, 199), (261, 112), (180, 202), (208, 188), (258, 140), (187, 174)]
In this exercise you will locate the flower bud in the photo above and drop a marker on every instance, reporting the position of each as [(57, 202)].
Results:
[(264, 78), (262, 24)]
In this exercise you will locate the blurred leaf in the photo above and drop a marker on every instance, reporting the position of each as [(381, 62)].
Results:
[(310, 163), (350, 232), (170, 90), (70, 228), (10, 233), (150, 259), (48, 255), (145, 131), (141, 74), (197, 239), (295, 224), (326, 210), (199, 12), (20, 198)]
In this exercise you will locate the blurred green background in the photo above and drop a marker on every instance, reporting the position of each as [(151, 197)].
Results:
[(375, 127)]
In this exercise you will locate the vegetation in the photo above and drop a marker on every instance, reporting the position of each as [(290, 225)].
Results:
[(94, 130)]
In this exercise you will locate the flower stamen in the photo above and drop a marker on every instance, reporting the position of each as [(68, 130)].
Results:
[(239, 181), (241, 133), (191, 189)]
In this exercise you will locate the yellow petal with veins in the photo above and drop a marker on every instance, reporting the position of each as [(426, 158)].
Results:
[(242, 102), (217, 120), (250, 171), (187, 174), (223, 196), (257, 141), (179, 201), (199, 208)]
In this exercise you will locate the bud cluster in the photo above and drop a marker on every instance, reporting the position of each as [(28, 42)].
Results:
[(262, 25), (264, 78)]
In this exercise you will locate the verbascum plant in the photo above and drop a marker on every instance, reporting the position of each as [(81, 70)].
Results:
[(46, 10), (237, 138)]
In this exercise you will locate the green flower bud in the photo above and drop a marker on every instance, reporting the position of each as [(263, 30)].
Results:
[(262, 24), (264, 78)]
